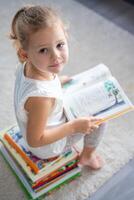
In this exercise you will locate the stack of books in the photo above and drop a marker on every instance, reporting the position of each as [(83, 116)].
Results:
[(39, 177)]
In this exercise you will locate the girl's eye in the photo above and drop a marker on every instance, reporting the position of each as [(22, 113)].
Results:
[(43, 50), (60, 45)]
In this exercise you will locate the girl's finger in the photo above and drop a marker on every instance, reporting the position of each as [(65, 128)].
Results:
[(96, 126), (95, 119)]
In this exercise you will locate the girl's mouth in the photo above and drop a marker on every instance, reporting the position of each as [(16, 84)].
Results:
[(56, 65)]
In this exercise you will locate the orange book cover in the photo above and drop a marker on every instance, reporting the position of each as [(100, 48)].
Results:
[(16, 141)]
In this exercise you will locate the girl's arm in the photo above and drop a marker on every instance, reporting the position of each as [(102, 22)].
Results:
[(39, 108)]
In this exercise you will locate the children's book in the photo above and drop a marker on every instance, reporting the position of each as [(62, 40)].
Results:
[(46, 189), (95, 92), (35, 168)]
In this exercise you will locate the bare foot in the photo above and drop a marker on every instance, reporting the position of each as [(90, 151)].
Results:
[(95, 162)]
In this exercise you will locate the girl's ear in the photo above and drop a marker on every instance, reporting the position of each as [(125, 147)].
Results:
[(22, 54)]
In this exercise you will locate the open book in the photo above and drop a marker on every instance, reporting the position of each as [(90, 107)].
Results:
[(95, 92)]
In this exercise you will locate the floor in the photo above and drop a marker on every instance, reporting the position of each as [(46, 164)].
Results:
[(119, 12), (121, 185)]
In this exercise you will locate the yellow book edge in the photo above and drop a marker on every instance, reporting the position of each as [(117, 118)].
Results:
[(113, 116)]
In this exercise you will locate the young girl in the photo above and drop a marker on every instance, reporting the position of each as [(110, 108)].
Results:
[(40, 38)]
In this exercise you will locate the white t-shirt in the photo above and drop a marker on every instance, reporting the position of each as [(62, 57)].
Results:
[(25, 88)]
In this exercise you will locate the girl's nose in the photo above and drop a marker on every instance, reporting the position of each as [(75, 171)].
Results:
[(55, 54)]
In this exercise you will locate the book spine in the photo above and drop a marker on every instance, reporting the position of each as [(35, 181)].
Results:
[(23, 155), (43, 175), (45, 182)]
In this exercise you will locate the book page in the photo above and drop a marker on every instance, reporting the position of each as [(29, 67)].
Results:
[(88, 78), (102, 99)]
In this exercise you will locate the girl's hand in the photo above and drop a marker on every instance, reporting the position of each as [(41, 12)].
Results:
[(86, 125), (65, 79)]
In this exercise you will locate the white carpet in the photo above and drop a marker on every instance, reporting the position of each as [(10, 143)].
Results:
[(117, 148)]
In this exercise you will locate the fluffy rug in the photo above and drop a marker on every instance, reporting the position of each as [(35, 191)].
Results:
[(117, 148)]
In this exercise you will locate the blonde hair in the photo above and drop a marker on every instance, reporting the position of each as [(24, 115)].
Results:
[(30, 19)]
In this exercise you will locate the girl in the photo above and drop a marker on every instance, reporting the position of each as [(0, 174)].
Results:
[(40, 38)]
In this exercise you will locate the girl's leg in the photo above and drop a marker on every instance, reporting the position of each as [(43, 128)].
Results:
[(88, 156)]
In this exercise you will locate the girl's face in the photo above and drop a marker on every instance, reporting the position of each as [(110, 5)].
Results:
[(48, 50)]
